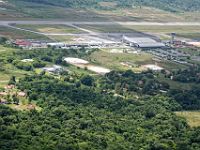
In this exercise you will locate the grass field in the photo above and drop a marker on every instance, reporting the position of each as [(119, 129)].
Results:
[(166, 29), (9, 70), (190, 35), (192, 117), (140, 28), (113, 60), (169, 65), (182, 31), (108, 28), (4, 49), (60, 38), (192, 32), (50, 28), (18, 34)]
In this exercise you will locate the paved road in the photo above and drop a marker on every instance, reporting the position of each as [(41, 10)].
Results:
[(103, 23)]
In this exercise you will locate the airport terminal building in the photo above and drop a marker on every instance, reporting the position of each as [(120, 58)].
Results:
[(142, 42)]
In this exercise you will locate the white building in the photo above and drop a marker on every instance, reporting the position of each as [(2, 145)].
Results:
[(143, 42), (53, 69)]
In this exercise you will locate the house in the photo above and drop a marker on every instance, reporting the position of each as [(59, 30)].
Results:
[(9, 87), (21, 94), (30, 107), (23, 43), (56, 44), (54, 69), (3, 94)]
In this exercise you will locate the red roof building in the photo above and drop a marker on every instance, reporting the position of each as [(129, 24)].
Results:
[(22, 43)]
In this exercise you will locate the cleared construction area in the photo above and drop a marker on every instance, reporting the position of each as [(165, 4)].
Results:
[(85, 64)]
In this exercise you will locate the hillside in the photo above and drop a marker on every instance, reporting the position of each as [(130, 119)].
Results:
[(169, 5), (77, 111), (99, 10)]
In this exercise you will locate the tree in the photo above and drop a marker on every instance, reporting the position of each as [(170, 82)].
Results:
[(8, 98), (12, 80), (3, 40), (87, 80), (15, 99)]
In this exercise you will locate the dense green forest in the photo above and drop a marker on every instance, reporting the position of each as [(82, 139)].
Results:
[(169, 5), (80, 117), (189, 75), (120, 110)]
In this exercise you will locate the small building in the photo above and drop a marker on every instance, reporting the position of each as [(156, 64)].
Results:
[(9, 87), (21, 94), (55, 69), (22, 43), (31, 107), (27, 60), (153, 67), (3, 94), (56, 44)]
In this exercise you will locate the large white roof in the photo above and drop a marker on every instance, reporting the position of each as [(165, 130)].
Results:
[(153, 67), (144, 42), (139, 40)]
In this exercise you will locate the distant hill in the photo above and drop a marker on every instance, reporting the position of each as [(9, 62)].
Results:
[(168, 5), (101, 10), (173, 5)]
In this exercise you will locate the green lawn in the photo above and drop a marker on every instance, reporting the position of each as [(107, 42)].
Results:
[(19, 34), (4, 50), (108, 28), (9, 69), (165, 29), (163, 32), (143, 28), (50, 28), (113, 60), (191, 35)]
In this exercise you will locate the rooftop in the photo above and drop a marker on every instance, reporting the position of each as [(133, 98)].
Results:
[(144, 42)]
